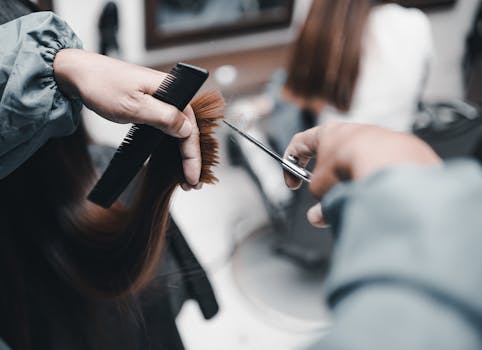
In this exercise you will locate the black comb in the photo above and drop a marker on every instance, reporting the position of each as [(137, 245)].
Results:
[(177, 89)]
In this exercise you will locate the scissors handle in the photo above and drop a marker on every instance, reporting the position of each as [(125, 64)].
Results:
[(288, 164), (296, 170)]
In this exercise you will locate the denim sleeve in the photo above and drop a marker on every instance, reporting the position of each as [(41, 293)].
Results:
[(32, 109), (407, 268)]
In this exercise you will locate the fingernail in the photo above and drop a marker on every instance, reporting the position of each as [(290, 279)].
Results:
[(293, 159), (314, 213), (315, 216), (186, 129)]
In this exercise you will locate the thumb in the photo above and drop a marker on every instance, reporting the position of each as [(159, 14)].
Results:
[(315, 216), (165, 117)]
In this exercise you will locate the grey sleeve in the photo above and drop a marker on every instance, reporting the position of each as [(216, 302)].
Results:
[(32, 109), (3, 346), (407, 268)]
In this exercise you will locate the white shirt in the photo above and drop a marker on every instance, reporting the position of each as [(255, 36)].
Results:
[(397, 47)]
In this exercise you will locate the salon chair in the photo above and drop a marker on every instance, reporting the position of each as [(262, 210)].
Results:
[(295, 239), (452, 128), (286, 260)]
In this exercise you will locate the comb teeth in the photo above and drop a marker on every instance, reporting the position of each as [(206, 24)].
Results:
[(174, 89), (177, 89), (125, 164)]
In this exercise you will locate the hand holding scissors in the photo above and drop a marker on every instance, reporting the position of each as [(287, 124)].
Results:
[(289, 164)]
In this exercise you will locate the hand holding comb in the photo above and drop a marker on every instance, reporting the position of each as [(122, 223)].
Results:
[(177, 89)]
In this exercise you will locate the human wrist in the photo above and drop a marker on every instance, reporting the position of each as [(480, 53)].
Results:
[(66, 65)]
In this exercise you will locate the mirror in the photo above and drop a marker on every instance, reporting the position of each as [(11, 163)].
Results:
[(172, 22)]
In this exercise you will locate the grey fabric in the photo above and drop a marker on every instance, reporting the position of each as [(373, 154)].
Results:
[(3, 346), (407, 268), (12, 9), (32, 109)]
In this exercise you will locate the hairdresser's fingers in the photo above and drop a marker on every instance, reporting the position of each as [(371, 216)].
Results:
[(163, 116), (186, 187), (172, 121), (303, 147), (332, 165), (191, 151), (315, 216), (324, 178), (142, 108), (150, 80)]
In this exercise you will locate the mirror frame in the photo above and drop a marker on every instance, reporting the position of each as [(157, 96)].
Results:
[(156, 39), (45, 5)]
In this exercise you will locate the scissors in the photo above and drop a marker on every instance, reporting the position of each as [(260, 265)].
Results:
[(289, 164)]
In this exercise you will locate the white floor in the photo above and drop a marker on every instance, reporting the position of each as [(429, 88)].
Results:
[(218, 218)]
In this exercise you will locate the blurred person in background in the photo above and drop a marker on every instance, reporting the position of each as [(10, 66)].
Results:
[(361, 60), (365, 61)]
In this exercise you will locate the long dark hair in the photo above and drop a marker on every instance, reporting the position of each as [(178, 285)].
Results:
[(325, 59), (54, 244), (49, 229)]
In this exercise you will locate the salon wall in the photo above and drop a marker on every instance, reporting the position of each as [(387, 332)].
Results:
[(444, 82), (449, 27), (83, 16)]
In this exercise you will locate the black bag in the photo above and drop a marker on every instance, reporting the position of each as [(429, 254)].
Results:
[(426, 3), (453, 129), (472, 61)]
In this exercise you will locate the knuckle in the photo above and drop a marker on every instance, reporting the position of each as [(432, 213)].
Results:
[(337, 124), (195, 131), (296, 137), (171, 115), (130, 105)]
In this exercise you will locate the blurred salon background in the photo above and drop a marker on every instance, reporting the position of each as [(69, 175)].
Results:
[(420, 71)]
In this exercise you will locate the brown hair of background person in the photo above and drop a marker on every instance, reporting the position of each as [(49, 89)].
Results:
[(325, 59)]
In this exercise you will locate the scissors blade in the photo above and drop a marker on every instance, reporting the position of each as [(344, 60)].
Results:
[(256, 142), (291, 167)]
